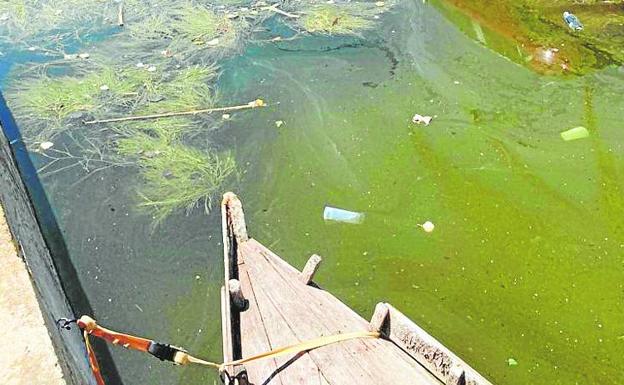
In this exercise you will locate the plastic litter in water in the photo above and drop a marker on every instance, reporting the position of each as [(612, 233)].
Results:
[(573, 21), (279, 123), (418, 119), (512, 362), (340, 215), (575, 133)]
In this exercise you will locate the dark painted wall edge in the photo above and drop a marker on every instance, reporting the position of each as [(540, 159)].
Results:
[(41, 245)]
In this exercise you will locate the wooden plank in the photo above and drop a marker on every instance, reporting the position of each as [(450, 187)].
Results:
[(294, 369), (307, 274), (336, 364), (225, 330), (226, 325), (448, 367), (254, 339), (376, 361), (379, 354)]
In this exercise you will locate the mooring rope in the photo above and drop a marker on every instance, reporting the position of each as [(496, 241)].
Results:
[(181, 357)]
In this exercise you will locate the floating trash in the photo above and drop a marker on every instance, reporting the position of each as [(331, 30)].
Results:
[(418, 119), (84, 55), (213, 42), (380, 3), (226, 116), (340, 215), (575, 133), (151, 69), (573, 22), (279, 123), (428, 226), (104, 88), (46, 145), (512, 362), (70, 56)]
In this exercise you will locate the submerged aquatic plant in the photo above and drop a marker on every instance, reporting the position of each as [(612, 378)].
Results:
[(199, 24), (336, 20), (55, 99), (175, 176), (188, 90)]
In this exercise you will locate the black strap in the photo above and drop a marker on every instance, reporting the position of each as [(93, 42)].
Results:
[(163, 352)]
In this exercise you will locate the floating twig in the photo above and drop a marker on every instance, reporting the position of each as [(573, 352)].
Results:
[(254, 104), (120, 15), (283, 13)]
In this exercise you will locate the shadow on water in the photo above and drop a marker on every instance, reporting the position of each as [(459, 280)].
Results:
[(53, 237)]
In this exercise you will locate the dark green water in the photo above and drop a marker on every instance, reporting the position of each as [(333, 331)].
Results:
[(527, 257)]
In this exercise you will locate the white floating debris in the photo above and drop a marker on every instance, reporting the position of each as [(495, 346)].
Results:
[(46, 145), (70, 56), (418, 119), (32, 49), (575, 133), (140, 65), (151, 69), (279, 123), (213, 42), (104, 88), (380, 3), (456, 82), (340, 215), (226, 116), (84, 55), (428, 227)]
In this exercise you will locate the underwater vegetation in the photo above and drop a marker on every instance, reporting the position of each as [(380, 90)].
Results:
[(341, 19), (533, 32), (145, 57), (176, 176)]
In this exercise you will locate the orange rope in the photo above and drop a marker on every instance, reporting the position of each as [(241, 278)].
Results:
[(90, 327)]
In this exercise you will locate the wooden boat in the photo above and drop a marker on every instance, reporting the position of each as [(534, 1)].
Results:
[(267, 303)]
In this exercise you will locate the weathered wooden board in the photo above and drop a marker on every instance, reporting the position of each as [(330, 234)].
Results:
[(254, 338), (428, 351), (369, 361)]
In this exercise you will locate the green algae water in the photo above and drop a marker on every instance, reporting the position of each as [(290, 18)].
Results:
[(527, 256)]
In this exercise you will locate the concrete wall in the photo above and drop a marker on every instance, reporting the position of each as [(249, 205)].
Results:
[(40, 244)]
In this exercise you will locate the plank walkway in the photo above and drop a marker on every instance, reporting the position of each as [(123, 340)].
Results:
[(283, 307)]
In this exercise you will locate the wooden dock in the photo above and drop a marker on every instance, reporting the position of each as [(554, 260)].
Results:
[(267, 303)]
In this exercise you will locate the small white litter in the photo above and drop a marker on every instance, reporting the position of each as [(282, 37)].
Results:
[(418, 119), (46, 145)]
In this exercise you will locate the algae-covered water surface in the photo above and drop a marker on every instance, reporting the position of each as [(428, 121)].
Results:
[(523, 274)]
